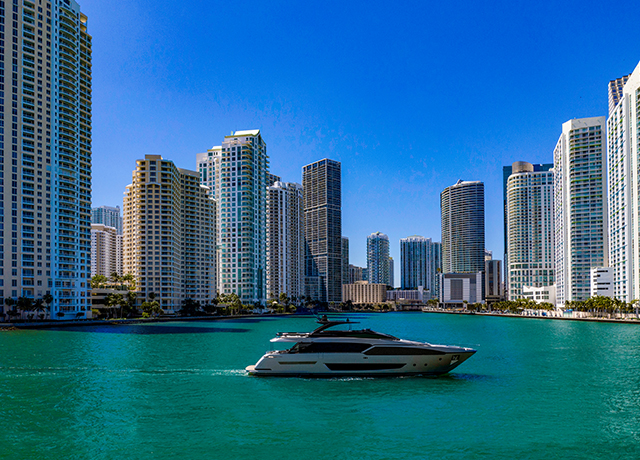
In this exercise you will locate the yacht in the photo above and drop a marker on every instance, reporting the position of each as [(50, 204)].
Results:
[(328, 352)]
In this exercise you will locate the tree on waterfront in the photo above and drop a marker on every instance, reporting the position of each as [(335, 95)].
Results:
[(130, 303), (189, 307), (233, 302), (9, 302), (150, 309), (25, 304), (112, 301), (129, 280), (48, 300), (39, 308)]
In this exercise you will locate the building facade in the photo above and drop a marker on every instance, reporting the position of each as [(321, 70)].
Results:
[(364, 292), (415, 263), (459, 289), (540, 294), (392, 274), (345, 260), (378, 258), (104, 251), (109, 216), (462, 209), (580, 203), (530, 229), (237, 176), (602, 282), (321, 182), (45, 145), (355, 274), (506, 172), (623, 159), (493, 287), (285, 240), (169, 234)]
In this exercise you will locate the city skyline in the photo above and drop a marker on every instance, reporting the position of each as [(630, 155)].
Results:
[(166, 95)]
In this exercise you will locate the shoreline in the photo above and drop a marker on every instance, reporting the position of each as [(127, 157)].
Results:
[(562, 318)]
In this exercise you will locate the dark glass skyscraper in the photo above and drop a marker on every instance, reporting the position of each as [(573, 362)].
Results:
[(323, 230)]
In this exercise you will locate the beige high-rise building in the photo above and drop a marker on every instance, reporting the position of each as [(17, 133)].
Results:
[(45, 145), (364, 292), (169, 233), (104, 251)]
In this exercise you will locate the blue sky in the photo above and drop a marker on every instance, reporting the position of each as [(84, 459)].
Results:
[(409, 96)]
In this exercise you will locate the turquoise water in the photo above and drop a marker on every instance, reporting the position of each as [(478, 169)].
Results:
[(536, 389)]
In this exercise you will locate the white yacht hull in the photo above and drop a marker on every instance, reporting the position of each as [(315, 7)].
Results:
[(357, 364)]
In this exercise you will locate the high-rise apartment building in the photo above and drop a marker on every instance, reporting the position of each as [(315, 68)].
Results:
[(237, 176), (506, 172), (109, 216), (462, 208), (321, 182), (169, 234), (580, 202), (415, 263), (391, 273), (104, 251), (493, 280), (530, 229), (45, 145), (623, 160), (615, 92), (345, 260), (285, 240), (378, 258)]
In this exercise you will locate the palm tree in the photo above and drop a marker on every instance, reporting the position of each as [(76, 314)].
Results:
[(38, 306), (25, 304), (48, 300), (115, 278), (130, 280), (9, 302)]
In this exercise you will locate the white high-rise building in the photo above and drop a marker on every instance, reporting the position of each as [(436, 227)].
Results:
[(285, 240), (104, 251), (530, 230), (169, 234), (378, 258), (580, 202), (623, 161), (107, 215), (45, 153), (237, 175)]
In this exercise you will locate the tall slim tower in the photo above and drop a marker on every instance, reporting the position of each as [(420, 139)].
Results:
[(345, 260), (392, 274), (285, 240), (169, 233), (321, 182), (580, 202), (109, 216), (436, 269), (623, 159), (45, 140), (237, 176), (530, 229), (462, 208), (378, 258)]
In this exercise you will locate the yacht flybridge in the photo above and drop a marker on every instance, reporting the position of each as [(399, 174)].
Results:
[(330, 352)]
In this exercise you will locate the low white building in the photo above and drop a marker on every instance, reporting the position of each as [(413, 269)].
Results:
[(602, 281), (458, 288), (540, 294)]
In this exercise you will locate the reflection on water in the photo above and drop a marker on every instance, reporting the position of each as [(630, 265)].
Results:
[(534, 389)]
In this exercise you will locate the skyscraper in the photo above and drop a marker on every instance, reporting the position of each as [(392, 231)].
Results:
[(391, 281), (580, 202), (436, 269), (623, 159), (415, 263), (530, 229), (345, 260), (462, 208), (615, 92), (104, 251), (506, 172), (378, 258), (45, 142), (236, 174), (108, 216), (321, 182), (169, 233), (285, 240)]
